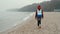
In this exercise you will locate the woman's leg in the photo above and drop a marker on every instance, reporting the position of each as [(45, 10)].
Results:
[(39, 22)]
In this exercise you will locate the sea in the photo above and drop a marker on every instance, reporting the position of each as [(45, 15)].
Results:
[(9, 19)]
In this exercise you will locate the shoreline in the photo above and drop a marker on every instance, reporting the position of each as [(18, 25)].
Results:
[(18, 24)]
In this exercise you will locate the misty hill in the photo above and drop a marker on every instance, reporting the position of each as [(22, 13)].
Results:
[(33, 7), (46, 6), (56, 4), (30, 8)]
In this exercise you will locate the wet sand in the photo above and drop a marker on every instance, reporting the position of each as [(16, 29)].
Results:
[(50, 25)]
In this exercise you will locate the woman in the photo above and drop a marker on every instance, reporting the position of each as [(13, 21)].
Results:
[(39, 15)]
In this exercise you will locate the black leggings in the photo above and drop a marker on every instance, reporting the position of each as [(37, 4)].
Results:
[(39, 22)]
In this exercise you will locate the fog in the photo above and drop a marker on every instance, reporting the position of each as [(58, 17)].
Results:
[(11, 4)]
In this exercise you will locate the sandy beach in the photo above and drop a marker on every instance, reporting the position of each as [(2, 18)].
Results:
[(50, 25)]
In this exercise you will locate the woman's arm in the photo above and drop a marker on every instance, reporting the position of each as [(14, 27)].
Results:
[(36, 14), (42, 14)]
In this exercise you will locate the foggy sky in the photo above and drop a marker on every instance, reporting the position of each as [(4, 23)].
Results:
[(10, 4)]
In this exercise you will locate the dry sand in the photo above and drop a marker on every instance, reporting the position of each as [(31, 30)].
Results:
[(50, 25)]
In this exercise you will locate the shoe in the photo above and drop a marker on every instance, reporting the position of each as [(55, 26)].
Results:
[(39, 26)]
